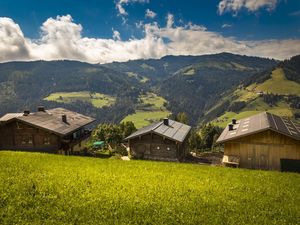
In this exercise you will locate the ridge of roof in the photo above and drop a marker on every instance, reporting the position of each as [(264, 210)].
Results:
[(51, 120), (169, 132)]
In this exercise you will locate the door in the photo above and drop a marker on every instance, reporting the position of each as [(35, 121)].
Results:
[(261, 154)]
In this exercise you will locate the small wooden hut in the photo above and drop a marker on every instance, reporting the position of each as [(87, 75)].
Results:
[(166, 141), (263, 141)]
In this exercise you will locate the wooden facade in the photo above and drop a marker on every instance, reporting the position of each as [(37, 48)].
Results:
[(20, 136), (263, 150), (17, 135), (54, 131), (156, 147)]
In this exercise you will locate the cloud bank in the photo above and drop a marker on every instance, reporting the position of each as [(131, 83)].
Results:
[(61, 38), (250, 5)]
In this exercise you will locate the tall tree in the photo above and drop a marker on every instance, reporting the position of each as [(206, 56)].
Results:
[(181, 117)]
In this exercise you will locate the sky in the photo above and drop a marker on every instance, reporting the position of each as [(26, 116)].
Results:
[(102, 31)]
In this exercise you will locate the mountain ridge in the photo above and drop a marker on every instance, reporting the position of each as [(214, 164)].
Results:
[(191, 84)]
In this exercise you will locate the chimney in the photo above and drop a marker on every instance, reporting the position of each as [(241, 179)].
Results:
[(64, 118), (233, 121), (26, 112), (41, 109), (230, 127), (166, 121)]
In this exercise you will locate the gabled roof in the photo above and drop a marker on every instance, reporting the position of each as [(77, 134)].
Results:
[(51, 120), (261, 122), (175, 131)]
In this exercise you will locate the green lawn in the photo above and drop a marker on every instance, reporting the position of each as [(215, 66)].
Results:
[(151, 108), (97, 99), (51, 189)]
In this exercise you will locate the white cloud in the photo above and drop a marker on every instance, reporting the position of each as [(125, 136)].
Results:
[(116, 35), (170, 20), (120, 5), (13, 45), (61, 38), (150, 14), (251, 5), (226, 25)]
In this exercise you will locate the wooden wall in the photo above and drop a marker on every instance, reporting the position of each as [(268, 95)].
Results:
[(263, 150), (153, 146), (12, 136)]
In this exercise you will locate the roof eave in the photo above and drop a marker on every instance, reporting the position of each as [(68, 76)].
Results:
[(240, 136)]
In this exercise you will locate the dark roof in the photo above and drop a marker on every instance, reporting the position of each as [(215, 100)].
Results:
[(175, 130), (51, 120), (260, 122)]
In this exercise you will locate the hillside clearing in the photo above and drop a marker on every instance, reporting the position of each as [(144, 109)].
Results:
[(97, 99), (255, 107), (151, 108), (51, 189), (278, 84)]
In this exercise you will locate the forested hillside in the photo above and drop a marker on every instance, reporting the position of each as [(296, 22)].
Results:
[(276, 90), (192, 84), (24, 85), (111, 92)]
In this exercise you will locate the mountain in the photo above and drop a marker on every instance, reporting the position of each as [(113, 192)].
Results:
[(24, 85), (114, 91), (276, 90), (192, 84)]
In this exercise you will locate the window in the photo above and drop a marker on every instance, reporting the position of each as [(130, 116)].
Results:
[(47, 140), (157, 147), (27, 140)]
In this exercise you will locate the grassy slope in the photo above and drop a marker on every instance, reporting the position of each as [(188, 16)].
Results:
[(278, 84), (97, 99), (50, 189), (145, 115)]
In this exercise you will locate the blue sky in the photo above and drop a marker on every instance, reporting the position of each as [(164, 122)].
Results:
[(250, 26)]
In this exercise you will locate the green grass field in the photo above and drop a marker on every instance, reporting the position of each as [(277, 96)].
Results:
[(97, 99), (151, 108), (51, 189)]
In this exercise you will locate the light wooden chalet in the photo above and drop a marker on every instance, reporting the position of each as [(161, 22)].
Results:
[(55, 131), (263, 141), (165, 140)]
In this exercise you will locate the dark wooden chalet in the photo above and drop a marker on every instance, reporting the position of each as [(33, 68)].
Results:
[(166, 140), (55, 130), (263, 141)]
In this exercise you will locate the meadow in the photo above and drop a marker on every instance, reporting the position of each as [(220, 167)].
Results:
[(38, 188), (150, 108), (96, 99), (277, 84)]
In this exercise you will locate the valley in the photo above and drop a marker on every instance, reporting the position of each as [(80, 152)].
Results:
[(207, 88)]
